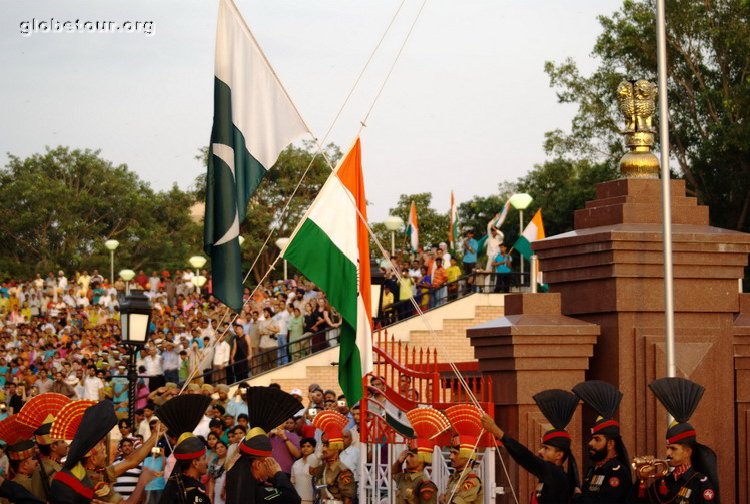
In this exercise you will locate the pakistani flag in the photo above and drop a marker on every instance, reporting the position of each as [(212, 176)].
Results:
[(330, 246), (254, 120)]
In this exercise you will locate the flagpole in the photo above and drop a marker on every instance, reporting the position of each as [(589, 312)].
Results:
[(661, 62)]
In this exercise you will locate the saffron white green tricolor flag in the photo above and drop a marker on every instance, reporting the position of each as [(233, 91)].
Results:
[(534, 231), (453, 232), (331, 247), (412, 228), (254, 120)]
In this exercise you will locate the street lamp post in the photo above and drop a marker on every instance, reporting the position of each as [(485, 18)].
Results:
[(520, 202), (198, 262), (111, 246), (281, 243), (393, 223), (135, 318), (127, 275)]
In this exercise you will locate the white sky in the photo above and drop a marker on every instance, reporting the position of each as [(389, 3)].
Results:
[(465, 109)]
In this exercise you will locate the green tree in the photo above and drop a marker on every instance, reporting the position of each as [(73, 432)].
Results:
[(560, 187), (57, 208), (433, 225), (708, 53)]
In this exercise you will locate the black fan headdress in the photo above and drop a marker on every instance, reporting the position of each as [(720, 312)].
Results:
[(558, 407), (268, 408), (680, 397), (181, 415), (603, 398)]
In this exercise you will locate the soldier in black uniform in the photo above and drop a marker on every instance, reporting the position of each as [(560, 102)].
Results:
[(184, 486), (253, 475), (608, 479), (181, 415), (694, 475), (556, 485)]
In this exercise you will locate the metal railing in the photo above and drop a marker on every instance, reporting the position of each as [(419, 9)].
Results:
[(427, 297)]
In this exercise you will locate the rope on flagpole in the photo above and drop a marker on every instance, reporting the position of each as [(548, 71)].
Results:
[(320, 150)]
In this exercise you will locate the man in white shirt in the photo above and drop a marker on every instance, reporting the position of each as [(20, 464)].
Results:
[(93, 386), (282, 337), (350, 456), (221, 360), (154, 369)]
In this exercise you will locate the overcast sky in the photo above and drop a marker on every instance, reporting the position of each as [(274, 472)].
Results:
[(465, 109)]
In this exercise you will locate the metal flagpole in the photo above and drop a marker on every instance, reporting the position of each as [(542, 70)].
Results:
[(661, 61)]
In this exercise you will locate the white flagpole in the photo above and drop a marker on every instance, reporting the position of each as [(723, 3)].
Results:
[(661, 59)]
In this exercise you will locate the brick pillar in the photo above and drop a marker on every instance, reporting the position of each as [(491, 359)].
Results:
[(742, 380), (532, 348), (609, 271)]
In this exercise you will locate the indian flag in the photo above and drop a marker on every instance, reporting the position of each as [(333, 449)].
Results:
[(453, 232), (254, 120), (412, 228), (534, 231), (330, 246)]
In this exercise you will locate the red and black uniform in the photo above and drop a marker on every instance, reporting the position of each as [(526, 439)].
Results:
[(553, 487), (684, 486), (609, 482)]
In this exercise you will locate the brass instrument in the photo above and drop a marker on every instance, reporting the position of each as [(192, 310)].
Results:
[(649, 467)]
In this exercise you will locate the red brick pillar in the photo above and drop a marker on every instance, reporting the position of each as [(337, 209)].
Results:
[(742, 381), (609, 271), (532, 348)]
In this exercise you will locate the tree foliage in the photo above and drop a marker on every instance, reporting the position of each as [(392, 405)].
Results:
[(433, 225), (560, 187), (58, 208), (708, 53)]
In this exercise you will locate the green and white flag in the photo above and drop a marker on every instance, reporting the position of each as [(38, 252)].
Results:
[(254, 120)]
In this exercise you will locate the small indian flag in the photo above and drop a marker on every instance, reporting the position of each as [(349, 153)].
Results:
[(331, 247), (453, 232), (412, 228), (534, 231)]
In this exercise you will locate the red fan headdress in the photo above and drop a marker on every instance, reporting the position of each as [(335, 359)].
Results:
[(12, 432), (40, 411), (466, 420), (428, 424), (332, 424), (68, 419)]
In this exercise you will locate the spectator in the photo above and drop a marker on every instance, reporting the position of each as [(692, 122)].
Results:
[(240, 353), (222, 352), (301, 477), (126, 482), (285, 446), (155, 462)]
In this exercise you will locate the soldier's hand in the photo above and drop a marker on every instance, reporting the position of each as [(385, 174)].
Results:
[(490, 426), (272, 466), (402, 457)]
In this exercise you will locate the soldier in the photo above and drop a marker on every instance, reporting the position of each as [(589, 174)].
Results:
[(24, 463), (464, 485), (86, 474), (38, 414), (333, 481), (270, 483), (51, 452), (413, 486), (555, 484), (252, 474), (608, 480), (694, 477), (181, 415)]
